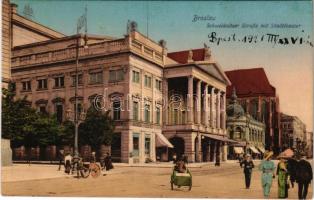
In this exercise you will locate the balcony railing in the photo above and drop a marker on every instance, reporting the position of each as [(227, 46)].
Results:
[(70, 53)]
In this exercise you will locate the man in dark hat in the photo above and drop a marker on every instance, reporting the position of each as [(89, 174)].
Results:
[(304, 175), (248, 166)]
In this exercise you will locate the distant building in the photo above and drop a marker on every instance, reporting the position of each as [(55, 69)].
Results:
[(241, 127), (259, 99), (18, 30), (293, 131)]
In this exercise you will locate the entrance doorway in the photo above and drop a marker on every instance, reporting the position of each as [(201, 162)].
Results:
[(178, 147), (116, 147)]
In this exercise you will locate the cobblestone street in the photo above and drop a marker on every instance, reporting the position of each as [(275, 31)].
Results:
[(226, 181)]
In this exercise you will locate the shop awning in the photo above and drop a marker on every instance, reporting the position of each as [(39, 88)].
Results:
[(219, 137), (238, 150), (254, 150), (162, 141), (261, 149), (238, 144)]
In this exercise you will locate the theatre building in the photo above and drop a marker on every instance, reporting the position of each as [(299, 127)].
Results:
[(141, 83), (195, 89)]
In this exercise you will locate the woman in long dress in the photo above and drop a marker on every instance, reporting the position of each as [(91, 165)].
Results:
[(282, 174), (267, 167)]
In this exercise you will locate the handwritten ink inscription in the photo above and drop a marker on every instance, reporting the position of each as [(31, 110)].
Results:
[(274, 39)]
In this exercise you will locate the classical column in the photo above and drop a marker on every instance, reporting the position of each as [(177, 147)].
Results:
[(198, 102), (224, 152), (165, 101), (217, 153), (205, 107), (212, 105), (190, 100), (218, 110), (223, 111)]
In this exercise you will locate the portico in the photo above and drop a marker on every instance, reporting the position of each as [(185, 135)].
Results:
[(195, 106)]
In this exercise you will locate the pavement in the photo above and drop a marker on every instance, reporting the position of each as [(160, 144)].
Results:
[(41, 170), (225, 181)]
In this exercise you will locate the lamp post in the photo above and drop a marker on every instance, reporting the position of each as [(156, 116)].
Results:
[(77, 119)]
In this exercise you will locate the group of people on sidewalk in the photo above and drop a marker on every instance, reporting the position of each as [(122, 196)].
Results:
[(105, 163), (288, 170)]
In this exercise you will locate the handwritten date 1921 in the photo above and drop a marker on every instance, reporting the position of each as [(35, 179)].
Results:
[(252, 39)]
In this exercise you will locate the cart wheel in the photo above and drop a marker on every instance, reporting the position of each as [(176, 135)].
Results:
[(95, 170), (84, 172)]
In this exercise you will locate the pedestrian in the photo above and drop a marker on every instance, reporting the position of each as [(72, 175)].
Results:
[(240, 159), (267, 167), (174, 158), (304, 176), (68, 163), (283, 177), (92, 159), (248, 167), (61, 158), (108, 162)]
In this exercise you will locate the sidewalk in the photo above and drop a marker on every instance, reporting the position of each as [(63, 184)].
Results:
[(41, 170), (23, 172)]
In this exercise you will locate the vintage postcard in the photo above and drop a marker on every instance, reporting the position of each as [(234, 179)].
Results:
[(166, 99)]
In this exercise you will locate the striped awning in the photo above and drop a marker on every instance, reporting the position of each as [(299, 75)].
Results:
[(254, 150), (162, 141), (261, 148), (238, 150)]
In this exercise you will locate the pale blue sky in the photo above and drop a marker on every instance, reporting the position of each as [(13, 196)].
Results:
[(289, 68)]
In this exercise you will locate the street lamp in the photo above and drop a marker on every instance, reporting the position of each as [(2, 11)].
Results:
[(77, 119)]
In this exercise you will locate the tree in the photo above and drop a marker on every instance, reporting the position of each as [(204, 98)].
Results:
[(17, 118), (66, 135), (23, 125), (97, 129)]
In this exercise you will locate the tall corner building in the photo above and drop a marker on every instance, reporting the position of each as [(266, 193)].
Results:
[(259, 99)]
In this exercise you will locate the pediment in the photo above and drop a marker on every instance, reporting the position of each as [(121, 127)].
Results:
[(214, 70)]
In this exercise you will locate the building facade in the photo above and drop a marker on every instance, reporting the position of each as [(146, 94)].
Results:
[(241, 127), (18, 30), (259, 99), (195, 117), (137, 80), (293, 131)]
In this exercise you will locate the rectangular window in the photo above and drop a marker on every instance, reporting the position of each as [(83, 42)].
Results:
[(116, 75), (42, 109), (80, 79), (59, 82), (95, 78), (135, 76), (26, 85), (158, 84), (79, 108), (175, 116), (147, 145), (147, 113), (158, 115), (136, 145), (59, 111), (135, 110), (42, 84), (148, 81), (116, 110)]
